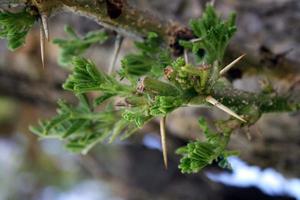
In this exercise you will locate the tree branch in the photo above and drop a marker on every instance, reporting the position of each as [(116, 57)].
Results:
[(127, 20), (117, 15), (251, 105)]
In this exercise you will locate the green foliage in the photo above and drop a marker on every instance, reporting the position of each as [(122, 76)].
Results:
[(75, 46), (214, 33), (152, 83), (196, 155), (150, 60), (15, 26), (138, 115), (145, 97), (163, 105), (188, 77), (80, 127), (156, 87), (86, 78)]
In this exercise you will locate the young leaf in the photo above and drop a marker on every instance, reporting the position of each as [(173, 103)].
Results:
[(15, 26), (214, 33), (163, 105), (80, 127), (86, 77), (75, 46), (196, 155), (150, 60)]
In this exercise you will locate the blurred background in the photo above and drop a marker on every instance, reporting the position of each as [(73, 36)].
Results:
[(269, 164)]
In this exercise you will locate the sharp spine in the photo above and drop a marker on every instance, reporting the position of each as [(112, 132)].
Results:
[(229, 66), (163, 140), (45, 26), (216, 103), (42, 43)]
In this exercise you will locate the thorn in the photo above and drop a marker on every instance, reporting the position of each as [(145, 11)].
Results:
[(118, 44), (45, 27), (229, 66), (42, 43), (186, 58), (212, 2), (196, 40), (215, 102), (163, 140)]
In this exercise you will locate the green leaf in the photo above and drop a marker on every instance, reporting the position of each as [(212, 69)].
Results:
[(151, 59), (139, 116), (86, 78), (156, 87), (75, 46), (80, 127), (210, 135), (214, 33), (15, 26), (101, 99), (163, 105), (197, 155)]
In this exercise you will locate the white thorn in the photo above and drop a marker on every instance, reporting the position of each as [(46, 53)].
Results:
[(45, 28), (196, 40), (42, 43), (118, 44), (186, 58), (215, 102), (163, 140), (229, 66)]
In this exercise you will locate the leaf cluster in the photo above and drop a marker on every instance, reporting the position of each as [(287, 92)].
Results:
[(150, 60), (81, 128), (87, 78), (188, 77), (140, 97), (198, 154), (151, 83), (15, 26), (75, 45), (213, 35)]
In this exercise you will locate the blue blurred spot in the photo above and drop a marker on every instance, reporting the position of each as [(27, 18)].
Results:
[(152, 141), (268, 180)]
